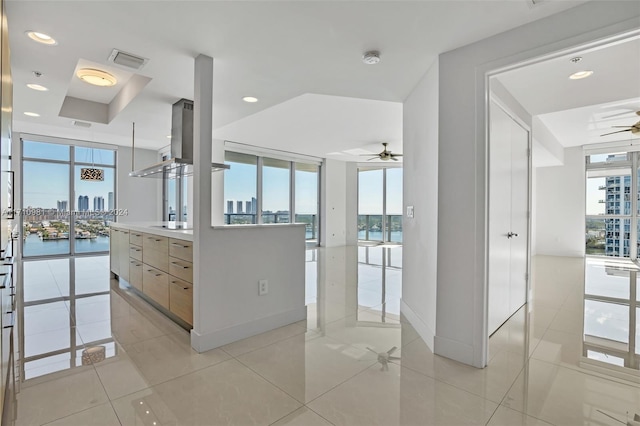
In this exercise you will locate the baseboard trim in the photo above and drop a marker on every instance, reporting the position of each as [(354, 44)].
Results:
[(455, 350), (215, 339), (424, 331)]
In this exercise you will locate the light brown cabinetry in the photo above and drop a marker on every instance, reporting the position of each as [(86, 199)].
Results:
[(159, 267)]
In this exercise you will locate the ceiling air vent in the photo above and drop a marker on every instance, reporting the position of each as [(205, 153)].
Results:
[(81, 124), (128, 60)]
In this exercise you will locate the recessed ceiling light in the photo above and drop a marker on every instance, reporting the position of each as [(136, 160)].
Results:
[(41, 38), (580, 74), (96, 77), (168, 136), (32, 114), (250, 99), (37, 87)]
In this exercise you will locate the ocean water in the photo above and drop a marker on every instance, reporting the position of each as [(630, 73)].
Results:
[(34, 246)]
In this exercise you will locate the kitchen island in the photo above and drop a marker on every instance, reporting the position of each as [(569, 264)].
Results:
[(224, 283), (158, 263)]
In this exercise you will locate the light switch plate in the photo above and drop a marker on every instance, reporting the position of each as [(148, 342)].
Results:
[(263, 287), (409, 211)]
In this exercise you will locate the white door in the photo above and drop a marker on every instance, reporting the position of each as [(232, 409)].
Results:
[(508, 217)]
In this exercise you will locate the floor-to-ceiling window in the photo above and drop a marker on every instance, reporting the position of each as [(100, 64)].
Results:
[(261, 189), (611, 209), (62, 213), (380, 204)]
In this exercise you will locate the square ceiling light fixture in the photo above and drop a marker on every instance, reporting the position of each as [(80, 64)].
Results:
[(127, 60)]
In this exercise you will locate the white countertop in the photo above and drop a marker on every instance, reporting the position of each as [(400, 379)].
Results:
[(156, 228), (187, 234)]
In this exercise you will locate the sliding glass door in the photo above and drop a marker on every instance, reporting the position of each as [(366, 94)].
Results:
[(62, 213), (380, 205)]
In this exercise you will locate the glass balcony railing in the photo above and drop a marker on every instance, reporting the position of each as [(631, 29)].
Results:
[(370, 228), (310, 221)]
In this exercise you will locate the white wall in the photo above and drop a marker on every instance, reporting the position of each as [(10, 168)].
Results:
[(338, 202), (560, 201), (461, 318), (140, 196), (420, 190)]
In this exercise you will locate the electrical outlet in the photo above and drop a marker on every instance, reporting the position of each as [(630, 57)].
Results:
[(263, 287), (409, 211)]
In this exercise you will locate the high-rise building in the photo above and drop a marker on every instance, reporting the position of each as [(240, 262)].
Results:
[(248, 209), (618, 202), (83, 203), (229, 206), (239, 207), (98, 203), (254, 205), (110, 203), (63, 205)]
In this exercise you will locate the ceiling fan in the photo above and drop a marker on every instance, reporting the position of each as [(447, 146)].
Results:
[(385, 155), (634, 128)]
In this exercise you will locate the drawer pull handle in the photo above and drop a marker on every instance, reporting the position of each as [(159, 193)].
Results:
[(149, 270), (158, 275), (135, 249), (179, 245), (154, 239), (185, 288), (182, 266)]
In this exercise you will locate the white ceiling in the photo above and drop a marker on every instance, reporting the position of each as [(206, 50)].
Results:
[(276, 51), (578, 112)]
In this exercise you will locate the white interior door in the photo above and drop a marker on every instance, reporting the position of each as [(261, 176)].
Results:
[(508, 216), (499, 217), (519, 215)]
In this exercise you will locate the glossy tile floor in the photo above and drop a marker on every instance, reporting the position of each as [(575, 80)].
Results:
[(324, 370)]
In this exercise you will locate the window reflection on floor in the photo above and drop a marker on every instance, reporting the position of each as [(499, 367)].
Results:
[(611, 312), (65, 310)]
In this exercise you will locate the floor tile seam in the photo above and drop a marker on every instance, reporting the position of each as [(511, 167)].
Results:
[(77, 412), (586, 372), (319, 415), (296, 399), (341, 383), (46, 379), (150, 386), (262, 347), (456, 386), (272, 384), (527, 414)]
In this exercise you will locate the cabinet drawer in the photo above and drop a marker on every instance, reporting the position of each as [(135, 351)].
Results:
[(135, 252), (155, 284), (135, 273), (181, 269), (135, 238), (181, 249), (155, 242), (156, 258), (181, 299)]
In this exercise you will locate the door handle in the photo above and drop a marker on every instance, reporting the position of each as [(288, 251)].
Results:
[(511, 234)]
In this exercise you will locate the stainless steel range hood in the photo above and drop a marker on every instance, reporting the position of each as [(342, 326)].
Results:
[(181, 161)]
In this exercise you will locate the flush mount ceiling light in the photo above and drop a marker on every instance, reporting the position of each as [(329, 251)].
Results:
[(31, 114), (41, 38), (37, 87), (250, 99), (371, 57), (580, 75), (96, 77)]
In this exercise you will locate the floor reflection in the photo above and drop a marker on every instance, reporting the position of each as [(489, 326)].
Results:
[(612, 312), (64, 305)]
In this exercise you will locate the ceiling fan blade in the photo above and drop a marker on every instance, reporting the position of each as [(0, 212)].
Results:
[(396, 155), (619, 131), (394, 158), (372, 158), (621, 126), (392, 350)]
